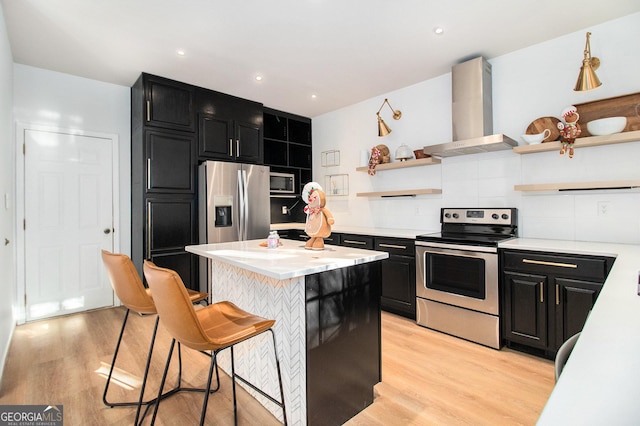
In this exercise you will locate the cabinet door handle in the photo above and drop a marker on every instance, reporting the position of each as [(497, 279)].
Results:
[(148, 173), (149, 219), (392, 246), (542, 262), (541, 292), (230, 147), (237, 147), (148, 111), (557, 294), (362, 243)]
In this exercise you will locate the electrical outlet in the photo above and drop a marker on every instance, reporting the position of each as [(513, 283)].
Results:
[(604, 208), (285, 210)]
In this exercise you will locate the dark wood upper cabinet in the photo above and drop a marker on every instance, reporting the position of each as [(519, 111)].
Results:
[(169, 104), (170, 162), (229, 128)]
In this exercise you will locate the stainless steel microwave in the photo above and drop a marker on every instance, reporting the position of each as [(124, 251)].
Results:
[(282, 183)]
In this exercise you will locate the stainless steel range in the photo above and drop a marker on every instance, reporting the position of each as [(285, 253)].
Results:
[(457, 273)]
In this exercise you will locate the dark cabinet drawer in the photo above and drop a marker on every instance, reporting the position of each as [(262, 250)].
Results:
[(399, 246), (357, 241), (571, 266), (333, 239)]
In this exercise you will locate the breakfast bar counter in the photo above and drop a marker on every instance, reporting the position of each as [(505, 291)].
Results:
[(327, 310)]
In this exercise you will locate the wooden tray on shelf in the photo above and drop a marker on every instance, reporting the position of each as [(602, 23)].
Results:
[(619, 106)]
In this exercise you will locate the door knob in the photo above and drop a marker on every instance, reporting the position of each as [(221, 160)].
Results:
[(107, 231)]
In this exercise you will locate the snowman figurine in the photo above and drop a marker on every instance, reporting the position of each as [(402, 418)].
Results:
[(319, 219)]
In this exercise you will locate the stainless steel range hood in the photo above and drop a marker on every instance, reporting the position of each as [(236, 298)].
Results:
[(472, 113)]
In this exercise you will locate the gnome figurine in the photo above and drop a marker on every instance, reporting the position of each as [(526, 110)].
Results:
[(319, 219)]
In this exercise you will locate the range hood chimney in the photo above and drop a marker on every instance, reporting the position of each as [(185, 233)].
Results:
[(472, 113)]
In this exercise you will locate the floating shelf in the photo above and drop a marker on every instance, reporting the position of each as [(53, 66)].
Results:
[(400, 193), (403, 164), (580, 142), (576, 186)]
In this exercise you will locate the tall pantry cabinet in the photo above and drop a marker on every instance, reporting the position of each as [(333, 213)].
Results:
[(163, 175), (174, 127)]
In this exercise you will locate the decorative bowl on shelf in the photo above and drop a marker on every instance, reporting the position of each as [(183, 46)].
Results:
[(419, 153), (607, 126), (537, 138)]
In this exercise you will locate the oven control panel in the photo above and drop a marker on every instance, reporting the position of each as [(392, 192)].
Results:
[(490, 216)]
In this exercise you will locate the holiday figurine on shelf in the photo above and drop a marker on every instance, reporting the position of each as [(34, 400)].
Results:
[(379, 155), (569, 130), (319, 219)]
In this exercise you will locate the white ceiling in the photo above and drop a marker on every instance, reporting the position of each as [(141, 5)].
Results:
[(343, 51)]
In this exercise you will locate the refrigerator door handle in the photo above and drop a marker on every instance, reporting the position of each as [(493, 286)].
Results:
[(241, 207), (245, 225)]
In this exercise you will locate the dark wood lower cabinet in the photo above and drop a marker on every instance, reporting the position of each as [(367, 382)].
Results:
[(398, 294), (171, 227), (398, 276), (574, 300), (548, 296), (525, 320)]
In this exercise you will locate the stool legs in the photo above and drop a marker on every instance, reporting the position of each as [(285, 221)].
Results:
[(140, 402), (235, 377), (208, 391)]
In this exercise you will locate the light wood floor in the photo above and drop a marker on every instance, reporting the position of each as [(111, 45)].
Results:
[(428, 377)]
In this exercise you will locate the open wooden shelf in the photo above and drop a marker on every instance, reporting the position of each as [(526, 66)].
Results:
[(400, 193), (402, 164), (576, 186), (580, 142)]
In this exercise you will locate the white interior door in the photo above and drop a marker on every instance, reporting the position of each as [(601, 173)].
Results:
[(68, 212)]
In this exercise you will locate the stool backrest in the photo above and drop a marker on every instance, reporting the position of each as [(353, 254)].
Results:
[(175, 309), (127, 283)]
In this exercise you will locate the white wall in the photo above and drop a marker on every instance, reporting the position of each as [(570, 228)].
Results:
[(7, 185), (65, 101), (533, 82)]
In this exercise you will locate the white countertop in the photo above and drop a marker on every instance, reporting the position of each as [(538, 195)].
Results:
[(361, 230), (290, 260), (600, 383)]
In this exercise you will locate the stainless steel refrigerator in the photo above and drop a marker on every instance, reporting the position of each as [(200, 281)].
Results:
[(233, 203)]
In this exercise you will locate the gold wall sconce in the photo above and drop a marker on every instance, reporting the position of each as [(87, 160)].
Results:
[(383, 129), (587, 79)]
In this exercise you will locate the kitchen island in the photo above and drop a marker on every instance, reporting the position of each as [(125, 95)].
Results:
[(600, 383), (327, 310)]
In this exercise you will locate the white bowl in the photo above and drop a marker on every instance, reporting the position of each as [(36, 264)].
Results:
[(607, 126)]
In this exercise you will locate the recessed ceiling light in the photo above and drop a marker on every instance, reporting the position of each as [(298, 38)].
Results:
[(180, 52), (438, 30), (314, 96), (258, 78)]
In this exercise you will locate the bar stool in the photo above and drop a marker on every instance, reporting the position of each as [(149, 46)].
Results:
[(135, 297), (214, 328), (563, 354)]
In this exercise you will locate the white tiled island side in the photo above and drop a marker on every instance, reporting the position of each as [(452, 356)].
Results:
[(327, 310)]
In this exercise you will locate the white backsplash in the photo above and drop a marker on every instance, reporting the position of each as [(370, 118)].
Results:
[(522, 91)]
